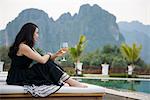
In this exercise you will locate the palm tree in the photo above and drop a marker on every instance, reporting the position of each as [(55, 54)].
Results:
[(131, 54), (77, 51)]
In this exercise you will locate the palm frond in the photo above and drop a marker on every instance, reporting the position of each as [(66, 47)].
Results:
[(136, 52), (132, 54), (79, 48)]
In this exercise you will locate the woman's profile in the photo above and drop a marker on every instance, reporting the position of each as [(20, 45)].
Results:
[(44, 72)]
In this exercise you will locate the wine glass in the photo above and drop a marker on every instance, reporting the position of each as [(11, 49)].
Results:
[(62, 46)]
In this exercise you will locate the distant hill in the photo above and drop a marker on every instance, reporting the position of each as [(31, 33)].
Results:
[(138, 33), (98, 25)]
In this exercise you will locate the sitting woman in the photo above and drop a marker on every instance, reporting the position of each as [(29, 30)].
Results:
[(44, 72)]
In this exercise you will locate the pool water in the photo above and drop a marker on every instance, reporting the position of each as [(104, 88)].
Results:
[(139, 86)]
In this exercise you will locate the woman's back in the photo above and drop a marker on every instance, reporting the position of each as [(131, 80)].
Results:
[(18, 70), (20, 62)]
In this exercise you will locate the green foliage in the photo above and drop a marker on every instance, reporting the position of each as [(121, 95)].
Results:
[(92, 58), (4, 54), (122, 75), (109, 52), (68, 62), (107, 58), (110, 49), (4, 57), (69, 70), (119, 62), (76, 51), (141, 63), (132, 54)]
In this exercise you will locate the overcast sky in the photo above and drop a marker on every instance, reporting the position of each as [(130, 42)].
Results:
[(124, 10)]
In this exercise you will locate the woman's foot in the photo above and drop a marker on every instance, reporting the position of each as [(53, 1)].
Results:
[(75, 83), (66, 84), (80, 85)]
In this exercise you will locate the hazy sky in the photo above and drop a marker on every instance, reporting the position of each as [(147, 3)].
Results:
[(124, 10)]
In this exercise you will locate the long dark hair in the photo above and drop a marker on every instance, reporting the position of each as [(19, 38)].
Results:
[(24, 35)]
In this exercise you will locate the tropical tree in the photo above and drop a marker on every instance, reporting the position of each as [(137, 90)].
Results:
[(76, 52), (131, 54)]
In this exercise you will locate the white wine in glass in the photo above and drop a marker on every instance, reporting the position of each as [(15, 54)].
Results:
[(64, 45)]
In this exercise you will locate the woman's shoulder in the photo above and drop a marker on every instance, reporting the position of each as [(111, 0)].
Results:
[(23, 46)]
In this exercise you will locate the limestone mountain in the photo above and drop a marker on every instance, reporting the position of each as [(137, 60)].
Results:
[(97, 24)]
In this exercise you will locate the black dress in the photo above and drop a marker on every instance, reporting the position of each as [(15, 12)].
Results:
[(23, 73)]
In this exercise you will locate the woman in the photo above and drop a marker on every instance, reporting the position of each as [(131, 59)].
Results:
[(44, 72)]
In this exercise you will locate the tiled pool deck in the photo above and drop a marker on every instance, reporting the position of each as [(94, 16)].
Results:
[(126, 94), (111, 94)]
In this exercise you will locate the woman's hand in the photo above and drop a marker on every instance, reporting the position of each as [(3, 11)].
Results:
[(61, 52)]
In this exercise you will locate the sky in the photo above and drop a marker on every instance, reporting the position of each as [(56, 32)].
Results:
[(124, 10)]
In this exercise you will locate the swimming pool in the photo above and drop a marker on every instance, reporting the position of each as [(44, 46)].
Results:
[(123, 85)]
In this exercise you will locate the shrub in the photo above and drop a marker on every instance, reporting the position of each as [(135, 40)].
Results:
[(119, 62), (69, 70)]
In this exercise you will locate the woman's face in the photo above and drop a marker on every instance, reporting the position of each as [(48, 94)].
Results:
[(36, 34)]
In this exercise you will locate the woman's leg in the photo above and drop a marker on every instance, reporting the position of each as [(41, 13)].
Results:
[(53, 72), (69, 81), (75, 83)]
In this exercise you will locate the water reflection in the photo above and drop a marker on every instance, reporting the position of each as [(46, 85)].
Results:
[(129, 85)]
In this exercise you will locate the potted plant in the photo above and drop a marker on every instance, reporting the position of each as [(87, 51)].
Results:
[(106, 60), (1, 66), (76, 53), (105, 69), (131, 54)]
